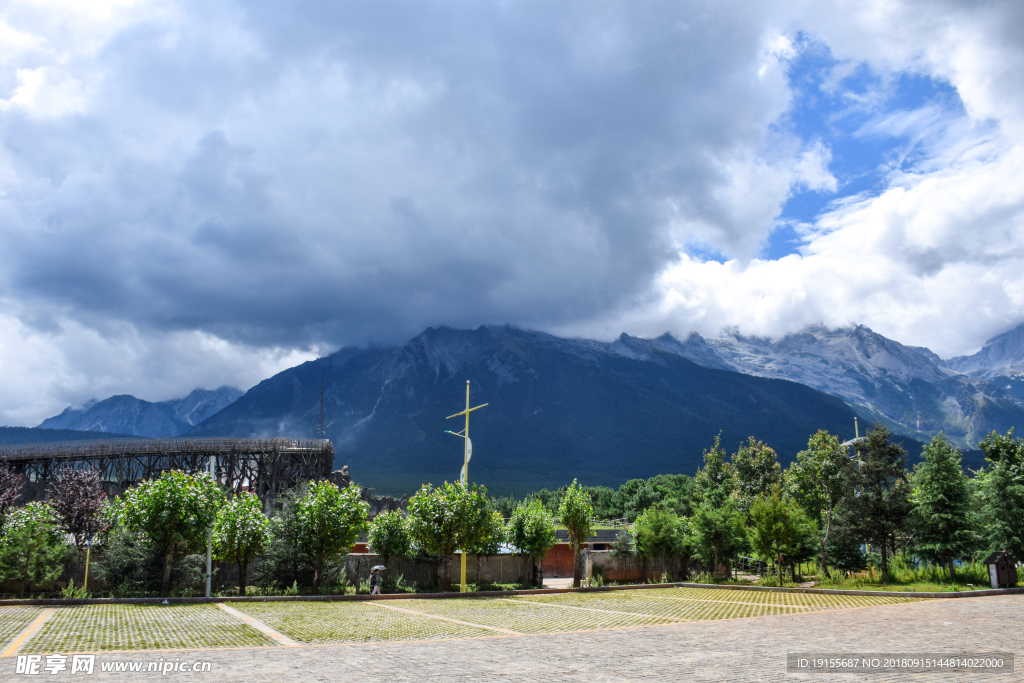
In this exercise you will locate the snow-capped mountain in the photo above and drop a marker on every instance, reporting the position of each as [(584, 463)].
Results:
[(126, 414)]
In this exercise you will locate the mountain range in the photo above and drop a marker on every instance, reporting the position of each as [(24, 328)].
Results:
[(909, 388), (126, 414), (1001, 360), (604, 411), (557, 409)]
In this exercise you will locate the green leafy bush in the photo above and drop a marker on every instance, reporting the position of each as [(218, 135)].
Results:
[(32, 548)]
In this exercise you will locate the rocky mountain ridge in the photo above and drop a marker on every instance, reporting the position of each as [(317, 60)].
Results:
[(909, 388), (558, 409), (125, 414), (1000, 360)]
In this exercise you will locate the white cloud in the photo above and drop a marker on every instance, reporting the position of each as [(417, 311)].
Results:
[(934, 261), (69, 363), (47, 93)]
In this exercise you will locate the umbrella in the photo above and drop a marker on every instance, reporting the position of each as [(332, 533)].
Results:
[(379, 567)]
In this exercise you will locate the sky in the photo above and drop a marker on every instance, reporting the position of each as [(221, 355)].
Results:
[(195, 194)]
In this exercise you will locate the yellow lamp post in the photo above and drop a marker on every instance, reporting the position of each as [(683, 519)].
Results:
[(467, 455)]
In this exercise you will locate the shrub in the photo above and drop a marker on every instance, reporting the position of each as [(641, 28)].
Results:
[(32, 549)]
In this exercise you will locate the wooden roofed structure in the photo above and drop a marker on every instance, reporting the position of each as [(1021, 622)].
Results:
[(265, 466)]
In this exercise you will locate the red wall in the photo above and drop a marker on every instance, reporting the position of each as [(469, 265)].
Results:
[(557, 561)]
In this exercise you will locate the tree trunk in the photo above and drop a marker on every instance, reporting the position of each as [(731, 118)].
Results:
[(165, 581), (577, 569), (447, 582), (318, 571), (885, 561), (951, 570), (242, 578), (824, 540)]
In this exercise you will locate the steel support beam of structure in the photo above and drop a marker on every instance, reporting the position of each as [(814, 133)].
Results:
[(264, 466)]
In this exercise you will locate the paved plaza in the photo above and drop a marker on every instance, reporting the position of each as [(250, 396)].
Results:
[(661, 634)]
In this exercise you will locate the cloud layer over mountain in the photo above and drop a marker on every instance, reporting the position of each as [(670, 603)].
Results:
[(203, 193)]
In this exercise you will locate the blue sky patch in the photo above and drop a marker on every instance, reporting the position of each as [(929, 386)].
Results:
[(855, 112)]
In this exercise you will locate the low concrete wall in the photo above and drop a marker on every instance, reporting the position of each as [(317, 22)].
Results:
[(479, 569), (632, 568)]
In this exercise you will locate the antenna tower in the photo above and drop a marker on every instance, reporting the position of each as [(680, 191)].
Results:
[(322, 434)]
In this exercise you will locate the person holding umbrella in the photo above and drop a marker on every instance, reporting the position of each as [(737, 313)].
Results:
[(375, 579)]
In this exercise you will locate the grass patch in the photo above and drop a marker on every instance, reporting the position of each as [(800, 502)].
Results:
[(95, 628), (524, 617), (352, 622), (905, 576), (13, 619)]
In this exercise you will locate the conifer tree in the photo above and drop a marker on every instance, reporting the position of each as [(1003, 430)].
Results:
[(942, 504), (817, 481), (714, 483), (1002, 493), (880, 492)]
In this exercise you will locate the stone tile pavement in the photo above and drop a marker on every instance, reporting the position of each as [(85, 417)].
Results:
[(751, 649)]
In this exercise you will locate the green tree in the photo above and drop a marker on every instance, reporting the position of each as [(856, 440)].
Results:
[(656, 534), (550, 499), (779, 529), (718, 533), (633, 497), (880, 492), (491, 537), (817, 481), (449, 517), (756, 472), (389, 535), (328, 521), (1002, 493), (577, 515), (504, 505), (283, 563), (604, 502), (531, 531), (687, 543), (240, 532), (174, 512), (942, 504), (674, 491), (32, 547), (714, 483)]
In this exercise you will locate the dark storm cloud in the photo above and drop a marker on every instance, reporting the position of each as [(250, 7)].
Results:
[(343, 172)]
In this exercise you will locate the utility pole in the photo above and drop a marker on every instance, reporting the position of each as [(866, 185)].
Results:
[(466, 456), (209, 546), (322, 435), (856, 436)]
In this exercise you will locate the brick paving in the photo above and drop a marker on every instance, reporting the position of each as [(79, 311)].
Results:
[(750, 649), (94, 628)]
